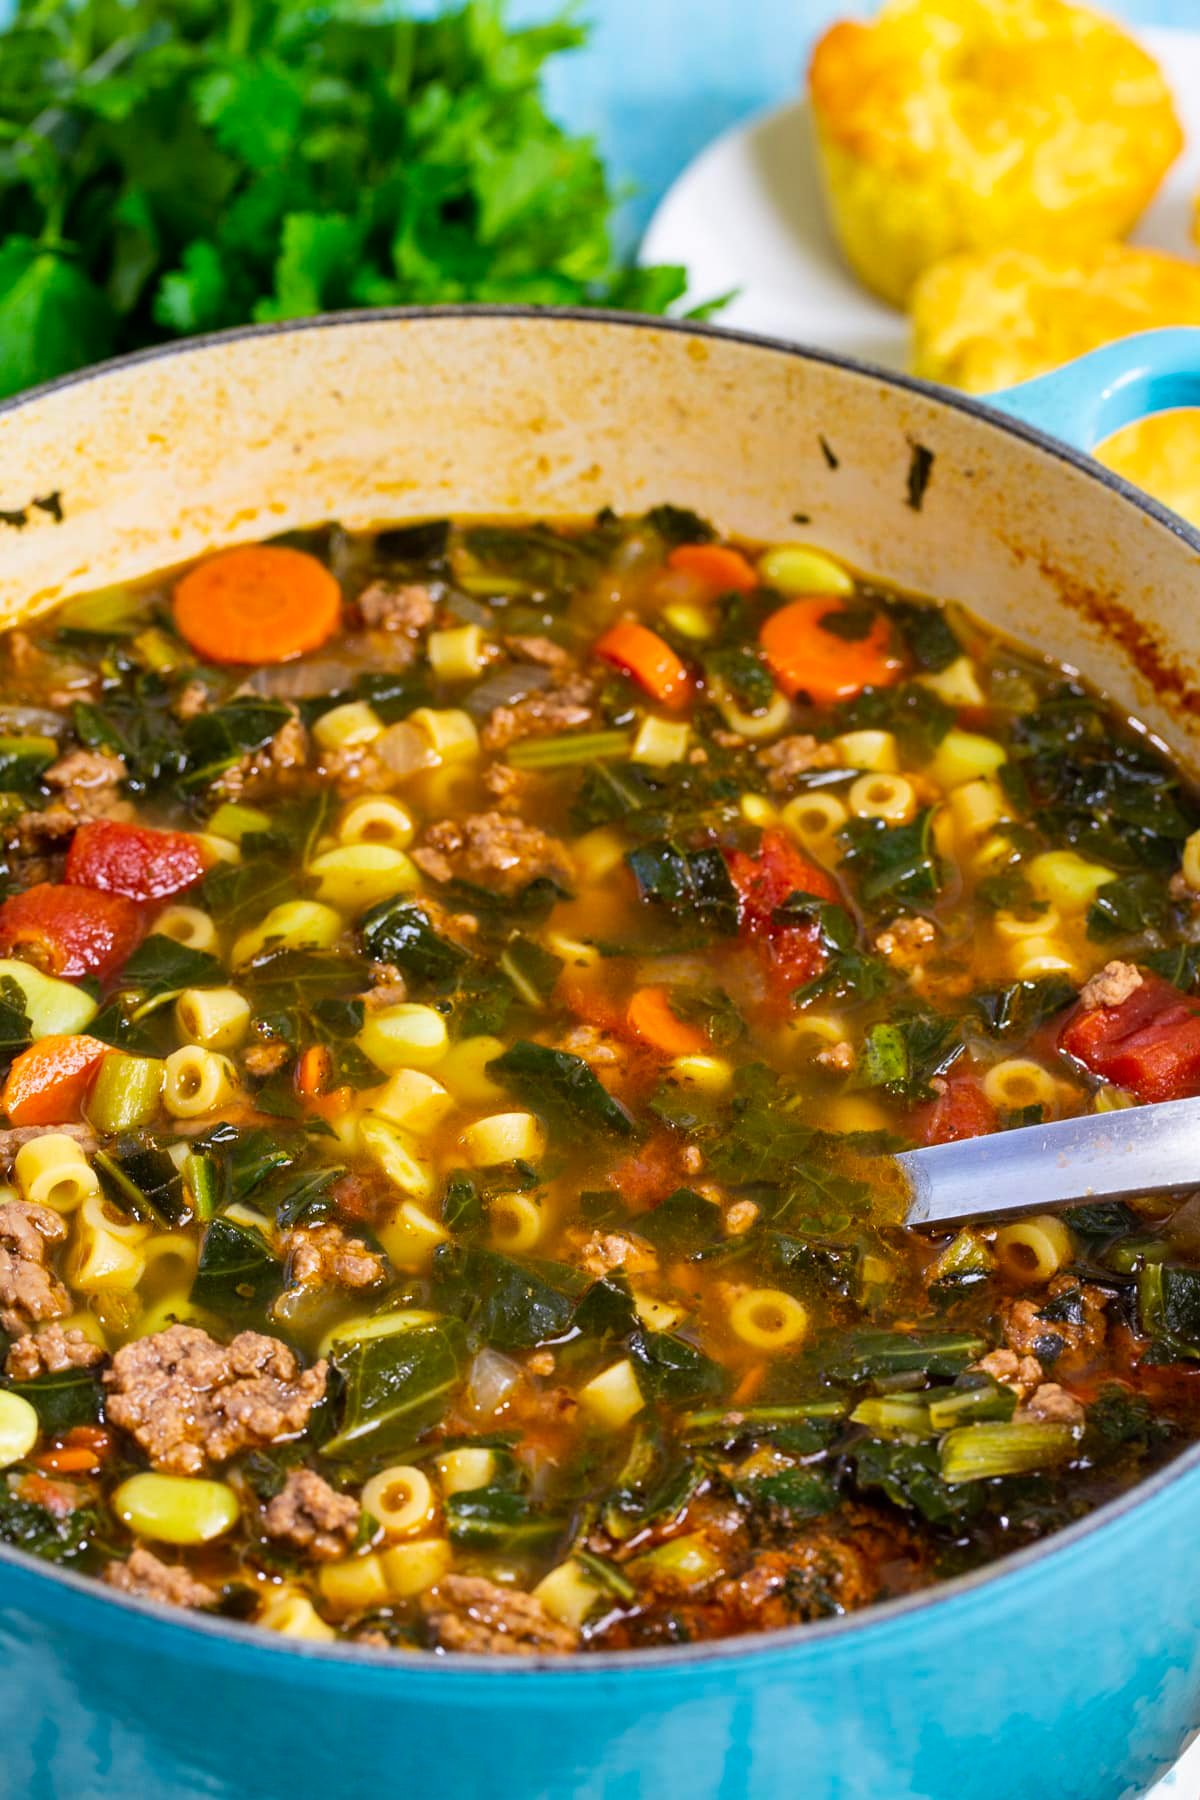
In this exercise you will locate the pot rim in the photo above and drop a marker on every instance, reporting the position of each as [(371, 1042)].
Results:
[(245, 1638)]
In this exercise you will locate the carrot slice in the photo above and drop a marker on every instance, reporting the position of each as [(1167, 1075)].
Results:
[(805, 658), (47, 1083), (314, 1071), (261, 604), (651, 1019), (649, 660), (725, 571)]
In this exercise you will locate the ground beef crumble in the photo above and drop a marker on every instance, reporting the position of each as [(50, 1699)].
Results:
[(323, 1256), (29, 1291), (310, 1516), (491, 850), (600, 1252), (1111, 987), (407, 609), (50, 1351), (467, 1613), (1026, 1332), (565, 707), (278, 765), (189, 1401), (144, 1575), (794, 756)]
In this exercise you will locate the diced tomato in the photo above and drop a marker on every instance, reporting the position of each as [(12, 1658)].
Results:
[(71, 931), (135, 860), (48, 1083), (790, 954), (962, 1111), (1149, 1044)]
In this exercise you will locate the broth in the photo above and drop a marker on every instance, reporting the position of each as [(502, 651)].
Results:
[(461, 988)]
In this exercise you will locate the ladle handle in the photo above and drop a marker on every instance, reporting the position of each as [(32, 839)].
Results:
[(1101, 1156)]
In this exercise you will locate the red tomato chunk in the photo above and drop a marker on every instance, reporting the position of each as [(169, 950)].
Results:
[(71, 931), (790, 954), (135, 860), (1149, 1044)]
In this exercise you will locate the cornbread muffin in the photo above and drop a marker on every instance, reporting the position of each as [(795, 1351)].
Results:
[(988, 319), (951, 125)]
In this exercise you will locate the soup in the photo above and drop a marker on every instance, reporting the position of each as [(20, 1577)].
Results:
[(460, 990)]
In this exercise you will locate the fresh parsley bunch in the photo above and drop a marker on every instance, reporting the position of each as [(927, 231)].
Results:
[(175, 166)]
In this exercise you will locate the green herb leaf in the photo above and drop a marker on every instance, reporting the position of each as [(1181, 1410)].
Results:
[(162, 965), (395, 1387), (562, 1087)]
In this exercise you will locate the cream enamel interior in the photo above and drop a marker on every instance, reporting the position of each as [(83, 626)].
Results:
[(384, 418)]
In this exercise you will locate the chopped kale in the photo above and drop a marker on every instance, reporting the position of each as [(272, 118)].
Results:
[(394, 1386), (162, 965), (1132, 903), (903, 1057), (508, 1304), (689, 885), (893, 862), (927, 633), (1020, 1008), (561, 1086)]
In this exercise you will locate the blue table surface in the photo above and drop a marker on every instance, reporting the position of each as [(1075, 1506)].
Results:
[(661, 78)]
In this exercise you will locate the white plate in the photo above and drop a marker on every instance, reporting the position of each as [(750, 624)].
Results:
[(748, 214)]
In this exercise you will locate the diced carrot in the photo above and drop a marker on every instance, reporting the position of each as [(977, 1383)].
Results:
[(48, 1083), (725, 571), (652, 1021), (71, 931), (68, 1462), (314, 1071), (80, 1451), (748, 1387), (647, 659), (261, 604), (807, 659), (135, 860)]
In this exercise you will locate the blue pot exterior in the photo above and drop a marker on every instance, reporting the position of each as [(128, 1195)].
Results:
[(1072, 1675)]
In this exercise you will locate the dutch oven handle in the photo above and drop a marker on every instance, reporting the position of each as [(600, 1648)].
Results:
[(1085, 401)]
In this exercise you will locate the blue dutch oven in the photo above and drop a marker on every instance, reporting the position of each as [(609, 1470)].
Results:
[(1070, 1671)]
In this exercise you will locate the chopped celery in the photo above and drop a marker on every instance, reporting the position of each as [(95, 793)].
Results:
[(22, 760), (232, 820), (959, 1406), (607, 1574), (202, 1182), (1127, 1257), (691, 1559), (570, 751), (979, 1452), (113, 612), (125, 1094), (159, 652), (885, 1414), (52, 1007), (964, 1258)]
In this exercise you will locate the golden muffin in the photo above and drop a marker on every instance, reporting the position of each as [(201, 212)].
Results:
[(988, 319), (951, 125)]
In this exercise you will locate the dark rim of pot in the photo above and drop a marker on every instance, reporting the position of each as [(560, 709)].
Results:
[(251, 1638)]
